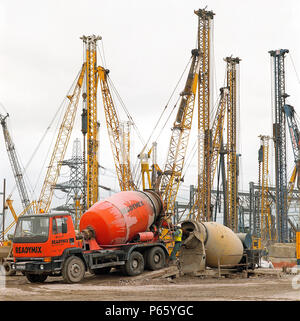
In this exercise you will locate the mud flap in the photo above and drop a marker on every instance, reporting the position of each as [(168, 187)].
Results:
[(192, 255)]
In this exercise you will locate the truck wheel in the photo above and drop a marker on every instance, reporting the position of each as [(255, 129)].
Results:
[(100, 271), (8, 270), (73, 270), (134, 265), (156, 258), (36, 278)]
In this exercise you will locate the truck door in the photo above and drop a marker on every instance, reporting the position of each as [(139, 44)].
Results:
[(61, 235)]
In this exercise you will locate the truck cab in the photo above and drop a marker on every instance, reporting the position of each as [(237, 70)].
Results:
[(40, 243)]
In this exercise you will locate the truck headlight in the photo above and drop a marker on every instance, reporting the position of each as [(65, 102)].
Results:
[(42, 267), (13, 266)]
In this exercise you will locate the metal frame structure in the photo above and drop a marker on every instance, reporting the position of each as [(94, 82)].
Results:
[(73, 187), (92, 179), (119, 135), (232, 182), (171, 176), (60, 147), (264, 232), (203, 200), (279, 136), (216, 146)]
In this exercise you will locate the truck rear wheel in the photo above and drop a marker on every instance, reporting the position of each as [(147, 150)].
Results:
[(73, 270), (156, 258), (36, 278), (134, 265)]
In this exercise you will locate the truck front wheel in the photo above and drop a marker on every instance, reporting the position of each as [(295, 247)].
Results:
[(134, 265), (36, 278), (73, 270), (156, 258), (8, 270)]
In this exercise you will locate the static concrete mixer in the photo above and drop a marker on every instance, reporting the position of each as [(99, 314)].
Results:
[(208, 244)]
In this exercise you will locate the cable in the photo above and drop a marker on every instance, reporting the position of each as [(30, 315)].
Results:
[(293, 64), (46, 131), (3, 107), (125, 109), (166, 106)]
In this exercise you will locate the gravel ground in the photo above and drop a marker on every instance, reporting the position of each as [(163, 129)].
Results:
[(119, 288)]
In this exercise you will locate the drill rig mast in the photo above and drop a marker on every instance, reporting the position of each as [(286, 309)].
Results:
[(205, 19), (92, 180), (231, 186), (279, 134)]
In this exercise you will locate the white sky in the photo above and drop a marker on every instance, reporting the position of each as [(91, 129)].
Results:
[(147, 44)]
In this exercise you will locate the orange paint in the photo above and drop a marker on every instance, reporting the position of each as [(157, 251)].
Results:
[(119, 218)]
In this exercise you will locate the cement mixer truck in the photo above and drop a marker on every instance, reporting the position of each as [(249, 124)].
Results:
[(121, 231)]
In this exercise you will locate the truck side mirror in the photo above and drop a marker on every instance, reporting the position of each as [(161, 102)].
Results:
[(64, 228)]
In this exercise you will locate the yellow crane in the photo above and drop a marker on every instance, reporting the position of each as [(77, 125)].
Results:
[(119, 135), (172, 172), (265, 232), (91, 77), (217, 135), (204, 105), (60, 147), (231, 186)]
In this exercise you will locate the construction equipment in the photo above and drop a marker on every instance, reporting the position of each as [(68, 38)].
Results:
[(295, 141), (60, 147), (210, 244), (15, 165), (232, 181), (204, 105), (215, 149), (279, 136), (172, 172), (263, 222), (92, 179), (119, 135), (121, 231)]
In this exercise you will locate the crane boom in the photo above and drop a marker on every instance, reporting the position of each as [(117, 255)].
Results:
[(295, 138), (179, 138), (60, 147), (118, 136), (15, 165)]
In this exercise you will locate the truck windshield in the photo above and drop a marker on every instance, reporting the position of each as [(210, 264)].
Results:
[(32, 229)]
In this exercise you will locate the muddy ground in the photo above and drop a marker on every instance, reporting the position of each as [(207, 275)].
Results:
[(185, 288)]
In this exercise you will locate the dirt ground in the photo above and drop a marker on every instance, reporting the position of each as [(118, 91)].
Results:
[(185, 288)]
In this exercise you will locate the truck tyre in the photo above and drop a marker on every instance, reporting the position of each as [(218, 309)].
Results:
[(156, 258), (8, 270), (73, 270), (134, 265), (100, 271), (36, 278)]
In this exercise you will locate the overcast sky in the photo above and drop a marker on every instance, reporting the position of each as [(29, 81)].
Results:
[(147, 45)]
